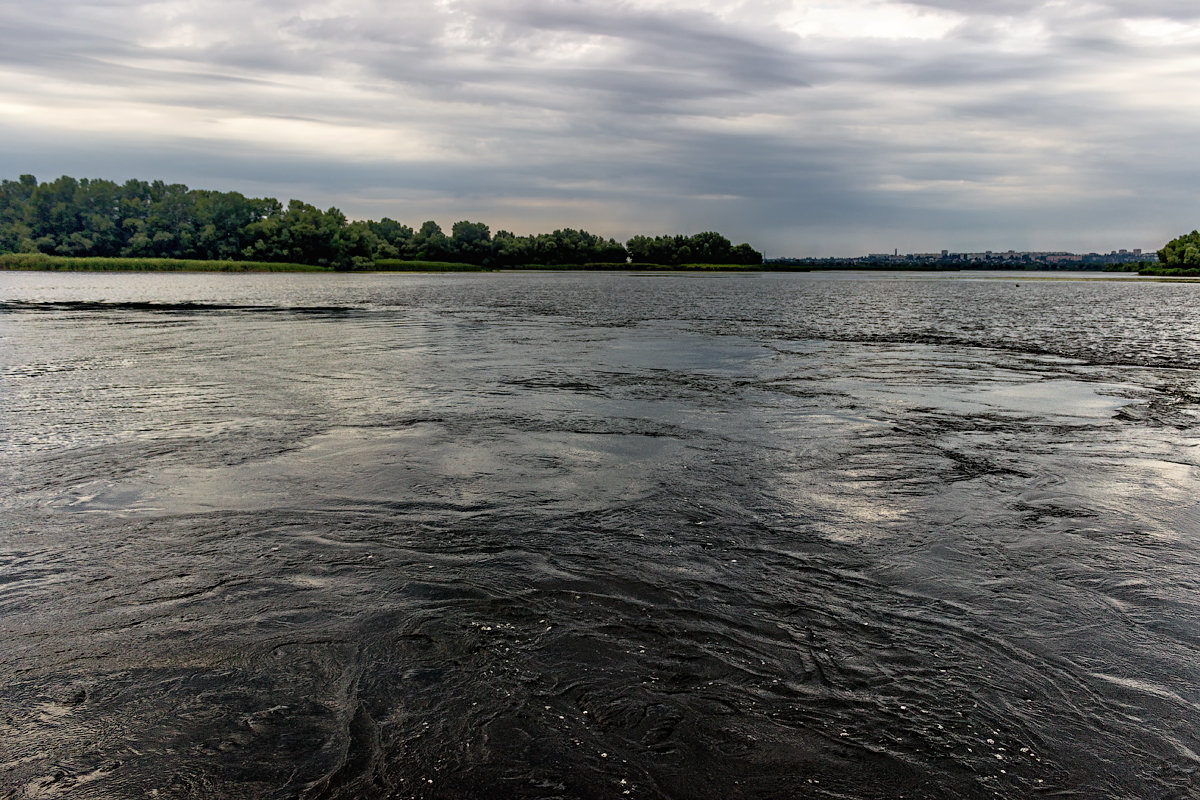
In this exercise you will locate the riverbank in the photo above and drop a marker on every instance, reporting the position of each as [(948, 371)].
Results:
[(1159, 271)]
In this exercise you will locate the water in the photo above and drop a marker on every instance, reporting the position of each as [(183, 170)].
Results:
[(598, 536)]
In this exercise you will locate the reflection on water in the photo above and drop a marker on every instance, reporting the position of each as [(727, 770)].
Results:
[(597, 535)]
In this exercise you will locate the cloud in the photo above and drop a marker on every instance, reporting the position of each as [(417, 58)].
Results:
[(805, 127)]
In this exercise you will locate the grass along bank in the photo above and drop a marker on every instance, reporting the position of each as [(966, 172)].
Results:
[(39, 261), (399, 265)]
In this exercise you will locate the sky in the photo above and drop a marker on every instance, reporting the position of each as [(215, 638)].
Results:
[(806, 128)]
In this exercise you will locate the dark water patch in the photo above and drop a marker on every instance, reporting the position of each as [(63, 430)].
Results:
[(556, 383), (163, 307), (1166, 357)]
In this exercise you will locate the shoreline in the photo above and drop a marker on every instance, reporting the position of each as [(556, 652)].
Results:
[(29, 262)]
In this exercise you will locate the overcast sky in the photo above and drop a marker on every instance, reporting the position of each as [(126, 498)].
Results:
[(834, 127)]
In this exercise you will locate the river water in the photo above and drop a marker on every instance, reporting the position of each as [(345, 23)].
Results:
[(598, 536)]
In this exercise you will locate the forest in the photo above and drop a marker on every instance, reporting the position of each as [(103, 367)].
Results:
[(90, 218)]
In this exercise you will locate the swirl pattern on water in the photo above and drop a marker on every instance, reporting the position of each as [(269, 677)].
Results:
[(598, 535)]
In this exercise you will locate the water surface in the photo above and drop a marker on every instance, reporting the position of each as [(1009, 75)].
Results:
[(598, 535)]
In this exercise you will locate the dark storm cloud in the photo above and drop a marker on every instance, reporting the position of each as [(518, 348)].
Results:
[(795, 125), (684, 43)]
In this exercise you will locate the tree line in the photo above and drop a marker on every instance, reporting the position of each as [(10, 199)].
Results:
[(140, 219)]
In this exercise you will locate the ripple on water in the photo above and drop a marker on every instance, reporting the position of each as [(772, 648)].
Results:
[(597, 536)]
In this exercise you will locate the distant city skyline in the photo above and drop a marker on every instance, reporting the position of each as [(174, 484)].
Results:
[(806, 128), (1027, 256)]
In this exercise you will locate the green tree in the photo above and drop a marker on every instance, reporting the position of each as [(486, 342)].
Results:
[(745, 254), (431, 243), (509, 250), (15, 232), (470, 243), (355, 245), (53, 214), (394, 240), (710, 247), (1183, 251), (658, 250)]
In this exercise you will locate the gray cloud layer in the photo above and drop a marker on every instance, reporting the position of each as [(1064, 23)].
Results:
[(806, 128)]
